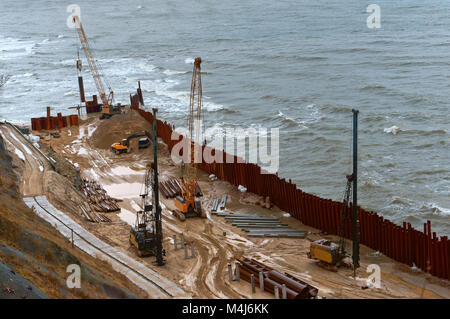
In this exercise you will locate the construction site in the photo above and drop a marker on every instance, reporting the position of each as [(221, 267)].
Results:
[(105, 182)]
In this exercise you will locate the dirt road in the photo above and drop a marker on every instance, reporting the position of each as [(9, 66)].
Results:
[(35, 164)]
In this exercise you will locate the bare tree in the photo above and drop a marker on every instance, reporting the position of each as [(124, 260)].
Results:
[(4, 79)]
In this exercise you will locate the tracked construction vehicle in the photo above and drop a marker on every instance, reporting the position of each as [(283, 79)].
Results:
[(124, 145)]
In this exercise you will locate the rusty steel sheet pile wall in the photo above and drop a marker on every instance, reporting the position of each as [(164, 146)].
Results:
[(403, 243), (53, 122)]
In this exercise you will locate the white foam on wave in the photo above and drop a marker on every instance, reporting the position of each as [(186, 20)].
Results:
[(71, 93), (439, 210), (173, 100), (11, 48), (285, 117), (189, 61), (172, 72), (392, 130)]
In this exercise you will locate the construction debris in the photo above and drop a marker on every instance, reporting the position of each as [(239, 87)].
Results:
[(292, 288), (99, 200), (242, 189)]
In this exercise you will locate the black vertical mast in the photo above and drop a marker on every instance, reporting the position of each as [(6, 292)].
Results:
[(355, 227), (158, 225)]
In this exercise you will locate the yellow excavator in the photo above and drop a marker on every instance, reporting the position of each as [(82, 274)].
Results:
[(187, 204), (124, 145)]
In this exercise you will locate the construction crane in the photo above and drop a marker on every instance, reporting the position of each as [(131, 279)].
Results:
[(107, 100), (146, 235), (187, 204)]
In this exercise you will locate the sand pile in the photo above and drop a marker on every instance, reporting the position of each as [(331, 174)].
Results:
[(116, 128)]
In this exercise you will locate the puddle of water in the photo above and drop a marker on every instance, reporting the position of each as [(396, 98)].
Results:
[(125, 171), (124, 190)]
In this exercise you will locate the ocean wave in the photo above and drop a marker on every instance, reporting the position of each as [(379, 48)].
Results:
[(431, 172), (178, 101), (392, 130), (25, 75), (172, 72), (14, 48), (212, 107), (309, 58), (339, 109), (189, 61), (428, 132), (289, 121), (373, 87), (71, 93), (286, 118), (398, 201), (376, 118), (395, 129), (436, 209)]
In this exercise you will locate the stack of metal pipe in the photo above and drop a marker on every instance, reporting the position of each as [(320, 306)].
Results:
[(295, 288), (99, 200), (172, 187)]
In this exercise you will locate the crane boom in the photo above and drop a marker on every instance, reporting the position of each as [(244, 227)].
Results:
[(106, 100), (195, 110), (187, 204)]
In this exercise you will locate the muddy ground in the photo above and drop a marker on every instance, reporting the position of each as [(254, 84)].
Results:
[(216, 242)]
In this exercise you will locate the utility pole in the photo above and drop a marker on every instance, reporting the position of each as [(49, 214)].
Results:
[(158, 226), (355, 227)]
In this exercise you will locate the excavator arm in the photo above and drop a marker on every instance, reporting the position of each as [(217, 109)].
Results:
[(145, 133)]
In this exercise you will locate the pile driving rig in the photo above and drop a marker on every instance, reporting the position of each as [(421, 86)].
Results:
[(146, 236), (187, 204)]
